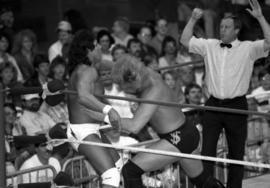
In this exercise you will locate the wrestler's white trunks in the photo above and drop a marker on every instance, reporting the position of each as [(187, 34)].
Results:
[(78, 132)]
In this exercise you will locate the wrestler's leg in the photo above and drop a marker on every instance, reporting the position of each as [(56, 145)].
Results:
[(112, 151), (118, 161), (99, 157), (145, 162)]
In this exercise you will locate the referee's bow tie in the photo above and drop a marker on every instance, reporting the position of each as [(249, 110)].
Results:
[(222, 45)]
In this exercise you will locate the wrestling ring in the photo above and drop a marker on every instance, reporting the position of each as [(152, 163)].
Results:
[(133, 148)]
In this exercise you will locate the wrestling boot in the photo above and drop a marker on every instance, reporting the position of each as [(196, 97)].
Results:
[(213, 183)]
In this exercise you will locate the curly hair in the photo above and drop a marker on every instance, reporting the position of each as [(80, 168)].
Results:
[(81, 43), (18, 40)]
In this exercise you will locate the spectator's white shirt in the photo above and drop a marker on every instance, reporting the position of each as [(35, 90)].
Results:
[(122, 42), (263, 99), (122, 107), (228, 71), (40, 176), (55, 50), (12, 60), (36, 122)]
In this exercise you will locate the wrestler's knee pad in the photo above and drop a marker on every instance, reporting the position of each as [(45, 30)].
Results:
[(111, 177), (132, 175)]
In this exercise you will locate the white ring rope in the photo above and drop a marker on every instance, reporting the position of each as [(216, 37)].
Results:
[(167, 153)]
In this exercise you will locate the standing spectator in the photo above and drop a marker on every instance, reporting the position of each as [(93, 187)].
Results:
[(105, 40), (121, 31), (5, 56), (64, 38), (229, 65), (117, 51), (33, 120), (162, 31), (41, 65), (24, 51)]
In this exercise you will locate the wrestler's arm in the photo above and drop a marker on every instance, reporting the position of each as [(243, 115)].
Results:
[(85, 89), (143, 114)]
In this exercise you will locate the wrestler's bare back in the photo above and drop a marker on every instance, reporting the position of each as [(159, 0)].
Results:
[(78, 114), (164, 118)]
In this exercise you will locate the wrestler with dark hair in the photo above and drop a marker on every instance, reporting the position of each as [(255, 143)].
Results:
[(86, 112)]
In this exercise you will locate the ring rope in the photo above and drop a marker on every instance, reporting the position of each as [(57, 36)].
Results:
[(198, 62), (167, 153), (172, 104)]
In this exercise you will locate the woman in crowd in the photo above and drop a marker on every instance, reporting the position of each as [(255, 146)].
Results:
[(8, 78), (169, 52), (170, 79), (58, 69), (5, 56), (24, 51), (105, 40)]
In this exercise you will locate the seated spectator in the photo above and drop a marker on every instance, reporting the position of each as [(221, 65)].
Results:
[(64, 38), (122, 107), (12, 128), (121, 31), (8, 77), (170, 79), (150, 60), (7, 21), (33, 120), (134, 47), (58, 69), (42, 157), (5, 56), (193, 94), (41, 76), (24, 50), (186, 76), (263, 100), (145, 36), (183, 55), (105, 40), (161, 29), (117, 51), (168, 52)]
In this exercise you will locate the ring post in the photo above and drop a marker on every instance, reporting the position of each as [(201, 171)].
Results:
[(2, 141)]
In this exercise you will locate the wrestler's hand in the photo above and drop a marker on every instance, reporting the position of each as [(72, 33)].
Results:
[(115, 119), (197, 13)]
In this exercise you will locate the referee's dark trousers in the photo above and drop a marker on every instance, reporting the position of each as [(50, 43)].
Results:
[(235, 126)]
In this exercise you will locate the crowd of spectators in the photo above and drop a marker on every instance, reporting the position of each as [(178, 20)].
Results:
[(156, 45)]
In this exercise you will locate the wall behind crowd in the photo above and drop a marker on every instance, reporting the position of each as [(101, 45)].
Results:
[(42, 16)]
